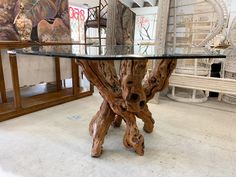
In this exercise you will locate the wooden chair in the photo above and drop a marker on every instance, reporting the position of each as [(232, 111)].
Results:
[(97, 18)]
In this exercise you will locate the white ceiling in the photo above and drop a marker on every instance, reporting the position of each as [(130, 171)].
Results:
[(92, 3), (139, 3), (79, 3)]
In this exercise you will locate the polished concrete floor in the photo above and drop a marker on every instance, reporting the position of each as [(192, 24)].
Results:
[(189, 140)]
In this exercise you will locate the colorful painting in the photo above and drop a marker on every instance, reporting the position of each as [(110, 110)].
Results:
[(48, 20), (145, 27)]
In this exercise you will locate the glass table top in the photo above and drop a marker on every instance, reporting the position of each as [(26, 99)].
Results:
[(118, 52)]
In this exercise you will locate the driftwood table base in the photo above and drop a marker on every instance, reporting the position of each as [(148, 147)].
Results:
[(125, 98)]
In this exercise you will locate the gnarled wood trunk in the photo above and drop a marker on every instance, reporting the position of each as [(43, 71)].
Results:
[(125, 98)]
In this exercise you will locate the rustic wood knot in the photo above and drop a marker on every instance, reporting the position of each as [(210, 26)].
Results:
[(133, 93), (135, 141)]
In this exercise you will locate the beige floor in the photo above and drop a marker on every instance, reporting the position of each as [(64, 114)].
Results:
[(188, 141)]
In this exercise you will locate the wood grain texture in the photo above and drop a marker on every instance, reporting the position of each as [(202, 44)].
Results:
[(58, 73), (131, 76), (102, 74), (99, 126), (75, 77), (15, 81), (2, 83), (159, 77), (39, 102), (120, 24), (25, 105), (147, 119), (125, 98)]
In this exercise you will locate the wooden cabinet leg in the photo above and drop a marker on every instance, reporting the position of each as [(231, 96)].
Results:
[(75, 77), (2, 83), (15, 81), (91, 87), (58, 73)]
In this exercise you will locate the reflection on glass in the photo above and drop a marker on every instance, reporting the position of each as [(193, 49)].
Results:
[(118, 51)]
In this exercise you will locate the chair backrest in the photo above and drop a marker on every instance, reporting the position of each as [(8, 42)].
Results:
[(103, 4), (99, 11)]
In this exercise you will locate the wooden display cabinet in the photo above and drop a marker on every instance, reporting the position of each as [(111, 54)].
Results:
[(17, 105)]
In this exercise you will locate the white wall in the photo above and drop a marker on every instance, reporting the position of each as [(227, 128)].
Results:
[(232, 9)]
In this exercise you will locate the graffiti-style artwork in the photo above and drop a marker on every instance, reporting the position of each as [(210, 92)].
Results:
[(18, 16), (78, 17)]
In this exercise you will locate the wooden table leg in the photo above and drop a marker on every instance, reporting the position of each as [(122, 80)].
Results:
[(159, 77), (125, 98), (15, 81), (117, 121), (2, 82), (103, 75), (99, 126), (58, 73), (75, 78)]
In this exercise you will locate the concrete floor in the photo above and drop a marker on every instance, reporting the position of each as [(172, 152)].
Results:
[(188, 141)]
